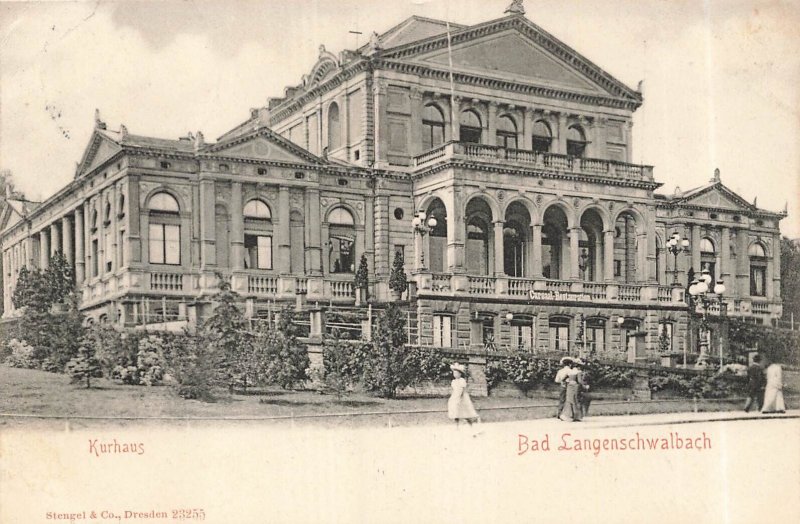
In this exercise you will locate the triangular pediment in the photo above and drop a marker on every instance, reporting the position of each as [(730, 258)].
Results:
[(100, 149), (719, 197), (511, 55), (264, 145), (514, 49)]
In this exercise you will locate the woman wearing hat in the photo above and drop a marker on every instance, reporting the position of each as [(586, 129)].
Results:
[(459, 406), (571, 412)]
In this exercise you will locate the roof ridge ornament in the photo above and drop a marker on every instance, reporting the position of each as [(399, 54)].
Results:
[(717, 178), (98, 124), (516, 8)]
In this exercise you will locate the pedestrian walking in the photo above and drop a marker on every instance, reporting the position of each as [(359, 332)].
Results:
[(571, 412), (773, 394), (459, 406), (561, 379), (755, 384)]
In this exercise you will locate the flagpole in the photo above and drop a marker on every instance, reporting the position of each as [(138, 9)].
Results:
[(452, 83)]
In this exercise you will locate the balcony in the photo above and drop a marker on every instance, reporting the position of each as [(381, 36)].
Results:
[(553, 162), (544, 290)]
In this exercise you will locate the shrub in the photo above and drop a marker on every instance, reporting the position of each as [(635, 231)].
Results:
[(383, 370), (397, 279), (150, 361), (22, 355), (195, 366), (84, 366), (286, 359)]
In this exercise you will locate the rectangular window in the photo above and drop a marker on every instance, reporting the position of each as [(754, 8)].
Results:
[(523, 336), (618, 268), (559, 338), (259, 252), (108, 249), (442, 331), (165, 244), (95, 258), (758, 281), (595, 335), (122, 253)]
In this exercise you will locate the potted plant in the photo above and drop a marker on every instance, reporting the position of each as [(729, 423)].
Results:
[(361, 280), (398, 282)]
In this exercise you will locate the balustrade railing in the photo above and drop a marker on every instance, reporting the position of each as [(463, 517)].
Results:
[(594, 290), (341, 289), (760, 308), (553, 161), (664, 294), (262, 285), (519, 287), (166, 281), (440, 282), (562, 286), (481, 285), (628, 293), (301, 285)]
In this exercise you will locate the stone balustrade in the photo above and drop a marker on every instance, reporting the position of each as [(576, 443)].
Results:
[(526, 158)]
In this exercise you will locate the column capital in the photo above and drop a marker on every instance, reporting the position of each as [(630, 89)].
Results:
[(416, 93)]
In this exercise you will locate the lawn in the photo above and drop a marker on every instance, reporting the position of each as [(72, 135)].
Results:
[(50, 398)]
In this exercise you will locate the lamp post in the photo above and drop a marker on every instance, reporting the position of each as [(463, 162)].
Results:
[(422, 228), (704, 295), (677, 245), (622, 345)]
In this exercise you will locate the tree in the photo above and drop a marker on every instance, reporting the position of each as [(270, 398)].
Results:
[(285, 359), (84, 366), (384, 372), (361, 280), (397, 280), (790, 278)]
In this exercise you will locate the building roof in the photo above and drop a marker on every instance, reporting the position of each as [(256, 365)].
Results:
[(413, 29)]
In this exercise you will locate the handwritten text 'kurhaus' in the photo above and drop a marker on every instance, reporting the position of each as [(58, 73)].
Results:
[(99, 447), (567, 442)]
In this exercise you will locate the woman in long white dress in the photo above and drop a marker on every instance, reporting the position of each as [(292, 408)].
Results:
[(571, 412), (773, 394), (459, 406)]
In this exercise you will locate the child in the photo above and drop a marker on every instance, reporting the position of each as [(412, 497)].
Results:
[(459, 406)]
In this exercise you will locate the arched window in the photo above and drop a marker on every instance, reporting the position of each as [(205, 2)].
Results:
[(121, 207), (437, 239), (542, 137), (257, 209), (708, 258), (506, 132), (165, 230), (257, 235), (523, 332), (432, 127), (108, 239), (341, 245), (758, 270), (470, 127), (334, 127), (576, 141)]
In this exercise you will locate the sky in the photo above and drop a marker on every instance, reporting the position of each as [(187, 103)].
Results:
[(721, 77)]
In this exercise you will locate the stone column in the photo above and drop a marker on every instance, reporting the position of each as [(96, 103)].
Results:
[(536, 247), (66, 228), (574, 253), (456, 231), (284, 246), (491, 138), (562, 134), (499, 264), (455, 115), (415, 145), (134, 222), (313, 232), (80, 244), (44, 249), (237, 227), (608, 255), (208, 250), (742, 264), (527, 129), (381, 132), (600, 138), (724, 270), (776, 267), (642, 241), (369, 234), (695, 265), (55, 239)]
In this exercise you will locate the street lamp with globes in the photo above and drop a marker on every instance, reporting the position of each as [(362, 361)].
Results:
[(422, 228), (703, 294), (677, 245)]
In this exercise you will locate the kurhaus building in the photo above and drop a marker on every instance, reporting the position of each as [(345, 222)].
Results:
[(504, 179)]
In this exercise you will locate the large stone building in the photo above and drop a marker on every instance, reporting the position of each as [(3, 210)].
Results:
[(494, 157)]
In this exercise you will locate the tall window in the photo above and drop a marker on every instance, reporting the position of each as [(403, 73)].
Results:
[(576, 141), (432, 127), (442, 331), (506, 132), (708, 258), (470, 127), (542, 136), (108, 239), (665, 337), (257, 235), (559, 334), (165, 230), (334, 127), (523, 335), (758, 270), (596, 335), (341, 248)]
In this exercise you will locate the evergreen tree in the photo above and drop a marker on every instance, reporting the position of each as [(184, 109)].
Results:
[(397, 280), (84, 366)]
